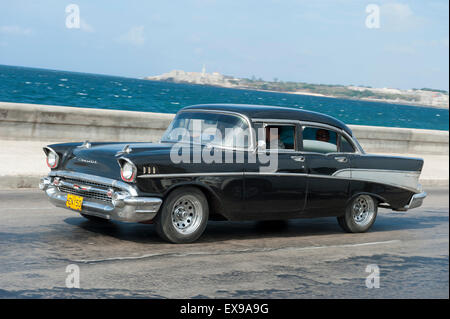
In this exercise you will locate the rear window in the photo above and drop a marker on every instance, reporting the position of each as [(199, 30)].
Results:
[(319, 140)]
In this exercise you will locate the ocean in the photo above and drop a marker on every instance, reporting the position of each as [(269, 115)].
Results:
[(42, 86)]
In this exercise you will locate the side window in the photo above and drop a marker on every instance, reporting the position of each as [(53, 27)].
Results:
[(346, 146), (280, 137), (319, 140)]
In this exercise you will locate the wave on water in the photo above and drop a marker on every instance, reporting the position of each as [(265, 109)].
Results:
[(25, 85)]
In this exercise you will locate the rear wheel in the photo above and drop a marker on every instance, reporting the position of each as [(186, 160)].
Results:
[(183, 216), (360, 214)]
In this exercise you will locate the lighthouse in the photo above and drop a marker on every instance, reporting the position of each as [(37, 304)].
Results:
[(203, 70)]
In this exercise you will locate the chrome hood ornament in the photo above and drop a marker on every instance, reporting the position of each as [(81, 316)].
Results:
[(126, 150), (86, 144)]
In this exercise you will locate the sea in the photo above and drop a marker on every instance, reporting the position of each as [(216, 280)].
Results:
[(52, 87)]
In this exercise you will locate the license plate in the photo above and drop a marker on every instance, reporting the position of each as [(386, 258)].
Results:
[(75, 202)]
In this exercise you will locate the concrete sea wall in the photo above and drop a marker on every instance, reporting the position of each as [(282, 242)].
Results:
[(32, 122)]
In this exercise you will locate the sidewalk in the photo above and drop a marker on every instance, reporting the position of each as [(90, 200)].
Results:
[(23, 163)]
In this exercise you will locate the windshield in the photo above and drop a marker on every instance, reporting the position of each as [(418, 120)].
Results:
[(208, 128)]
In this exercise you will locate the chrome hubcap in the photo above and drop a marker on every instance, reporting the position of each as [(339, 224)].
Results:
[(363, 210), (187, 214)]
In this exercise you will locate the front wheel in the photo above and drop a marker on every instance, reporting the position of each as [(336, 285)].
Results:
[(360, 214), (183, 216)]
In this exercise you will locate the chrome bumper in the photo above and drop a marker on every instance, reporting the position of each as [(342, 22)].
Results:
[(416, 201), (112, 199)]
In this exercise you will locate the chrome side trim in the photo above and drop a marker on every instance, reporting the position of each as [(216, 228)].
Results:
[(403, 179), (96, 179), (175, 175), (222, 174), (345, 174)]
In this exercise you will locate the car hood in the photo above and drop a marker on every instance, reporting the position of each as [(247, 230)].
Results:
[(101, 158)]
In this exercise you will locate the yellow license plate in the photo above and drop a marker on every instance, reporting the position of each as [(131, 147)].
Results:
[(75, 202)]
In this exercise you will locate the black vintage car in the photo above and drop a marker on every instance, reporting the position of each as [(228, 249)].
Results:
[(233, 162)]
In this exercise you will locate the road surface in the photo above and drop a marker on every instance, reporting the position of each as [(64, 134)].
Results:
[(309, 258)]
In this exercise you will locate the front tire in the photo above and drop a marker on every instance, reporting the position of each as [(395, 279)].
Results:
[(360, 214), (183, 216)]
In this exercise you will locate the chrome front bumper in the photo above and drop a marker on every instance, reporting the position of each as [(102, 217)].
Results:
[(102, 197)]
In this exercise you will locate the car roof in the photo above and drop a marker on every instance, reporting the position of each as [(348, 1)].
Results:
[(273, 112)]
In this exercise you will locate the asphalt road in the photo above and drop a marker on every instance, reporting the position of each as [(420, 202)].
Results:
[(310, 258)]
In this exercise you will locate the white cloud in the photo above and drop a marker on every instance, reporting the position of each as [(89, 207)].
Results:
[(15, 30), (134, 36), (399, 17)]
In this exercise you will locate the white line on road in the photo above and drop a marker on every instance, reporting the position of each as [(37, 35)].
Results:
[(87, 261)]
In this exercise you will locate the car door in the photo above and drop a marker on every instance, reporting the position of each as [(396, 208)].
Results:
[(278, 193), (325, 156)]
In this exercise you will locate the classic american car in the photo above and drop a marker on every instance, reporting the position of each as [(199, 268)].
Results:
[(232, 162)]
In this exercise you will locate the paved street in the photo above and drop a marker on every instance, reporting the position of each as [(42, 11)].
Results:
[(309, 258)]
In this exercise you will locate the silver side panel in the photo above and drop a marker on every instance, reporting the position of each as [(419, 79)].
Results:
[(404, 179)]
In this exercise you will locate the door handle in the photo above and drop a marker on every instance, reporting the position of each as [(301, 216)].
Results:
[(298, 158), (341, 159)]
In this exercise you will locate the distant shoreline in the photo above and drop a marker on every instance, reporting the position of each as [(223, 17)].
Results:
[(424, 97), (402, 102)]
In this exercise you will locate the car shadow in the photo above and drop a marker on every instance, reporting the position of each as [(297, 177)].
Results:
[(217, 231)]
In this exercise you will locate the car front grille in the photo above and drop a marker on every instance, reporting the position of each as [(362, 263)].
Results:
[(94, 191), (85, 194)]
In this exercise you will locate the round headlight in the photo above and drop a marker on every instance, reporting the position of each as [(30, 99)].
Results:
[(127, 172), (52, 159)]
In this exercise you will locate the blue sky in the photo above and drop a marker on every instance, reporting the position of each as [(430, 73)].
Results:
[(308, 41)]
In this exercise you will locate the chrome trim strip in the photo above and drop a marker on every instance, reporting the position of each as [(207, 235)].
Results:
[(394, 156), (176, 175), (275, 174), (403, 179), (96, 179), (242, 173), (378, 170)]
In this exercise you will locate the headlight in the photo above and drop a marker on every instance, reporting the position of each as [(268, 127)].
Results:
[(128, 172), (52, 158)]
